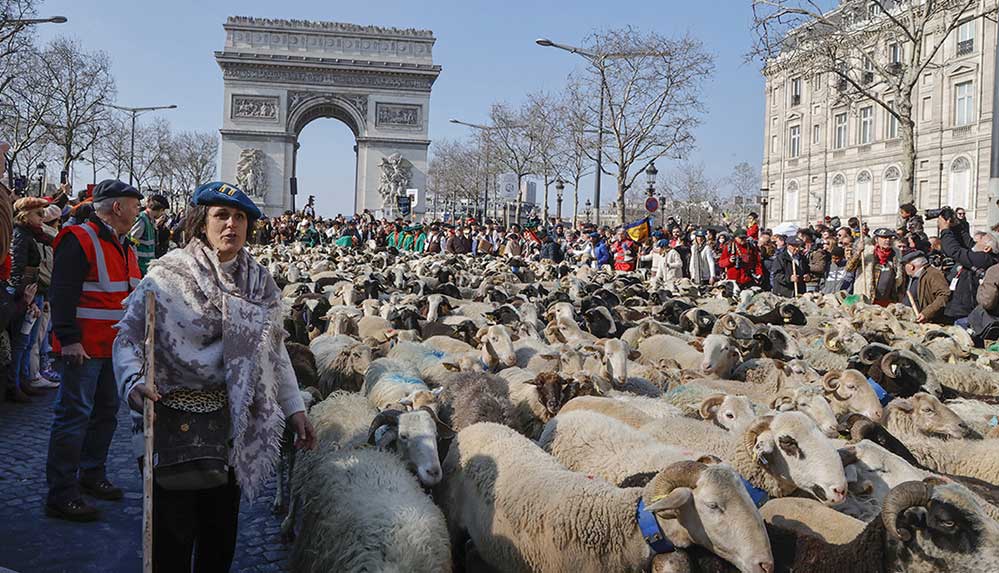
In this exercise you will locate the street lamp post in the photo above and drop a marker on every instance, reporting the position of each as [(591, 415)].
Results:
[(588, 206), (764, 199), (30, 21), (559, 188), (135, 111), (40, 175), (650, 178)]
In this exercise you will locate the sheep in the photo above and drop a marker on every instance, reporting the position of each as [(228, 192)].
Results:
[(824, 353), (718, 355), (923, 414), (872, 471), (499, 492), (471, 397), (594, 444), (341, 362), (809, 399), (388, 381), (848, 392), (537, 398), (620, 410), (725, 410), (980, 417), (778, 453), (365, 512)]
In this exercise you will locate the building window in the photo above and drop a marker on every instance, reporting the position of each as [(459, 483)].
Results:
[(873, 10), (964, 103), (926, 111), (837, 194), (794, 141), (868, 75), (966, 38), (796, 91), (791, 201), (864, 190), (959, 194), (815, 134), (817, 82), (895, 53), (773, 144), (774, 95), (889, 191), (891, 123), (841, 131), (866, 125)]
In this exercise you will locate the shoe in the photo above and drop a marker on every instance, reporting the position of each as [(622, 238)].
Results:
[(43, 383), (27, 389), (72, 510), (51, 375), (103, 489)]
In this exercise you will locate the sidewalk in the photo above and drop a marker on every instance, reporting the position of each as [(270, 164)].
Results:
[(30, 542)]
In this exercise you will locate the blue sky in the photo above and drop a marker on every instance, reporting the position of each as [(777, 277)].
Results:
[(162, 53)]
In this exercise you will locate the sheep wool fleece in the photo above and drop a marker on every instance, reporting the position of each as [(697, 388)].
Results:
[(219, 329)]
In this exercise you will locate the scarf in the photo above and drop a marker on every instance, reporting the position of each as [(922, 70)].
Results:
[(215, 329), (883, 254)]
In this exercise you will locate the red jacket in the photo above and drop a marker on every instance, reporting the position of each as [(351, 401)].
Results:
[(112, 275), (624, 255), (753, 232), (750, 265)]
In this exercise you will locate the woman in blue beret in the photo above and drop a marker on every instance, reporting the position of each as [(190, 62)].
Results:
[(225, 387)]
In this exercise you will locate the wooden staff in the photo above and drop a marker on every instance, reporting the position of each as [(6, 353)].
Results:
[(147, 434), (912, 301), (863, 261), (794, 276)]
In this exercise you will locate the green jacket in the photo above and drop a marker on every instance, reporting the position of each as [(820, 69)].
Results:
[(421, 242), (143, 235)]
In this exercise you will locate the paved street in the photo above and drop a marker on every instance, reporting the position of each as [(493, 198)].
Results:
[(30, 542)]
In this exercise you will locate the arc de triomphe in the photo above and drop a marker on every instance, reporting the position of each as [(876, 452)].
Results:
[(279, 75)]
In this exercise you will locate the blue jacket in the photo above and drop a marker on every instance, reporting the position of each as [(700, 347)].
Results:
[(602, 253)]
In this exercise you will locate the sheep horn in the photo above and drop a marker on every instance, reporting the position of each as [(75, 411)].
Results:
[(779, 401), (901, 498), (727, 323), (754, 430), (444, 431), (934, 334), (887, 362), (384, 417), (710, 402), (831, 342), (830, 380), (873, 351), (680, 474)]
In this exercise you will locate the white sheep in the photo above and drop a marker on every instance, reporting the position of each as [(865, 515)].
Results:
[(341, 362), (389, 381), (524, 512)]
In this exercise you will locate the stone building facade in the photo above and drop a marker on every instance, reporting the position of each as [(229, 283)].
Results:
[(822, 156)]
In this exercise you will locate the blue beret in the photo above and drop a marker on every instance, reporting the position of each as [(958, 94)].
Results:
[(219, 193), (111, 188)]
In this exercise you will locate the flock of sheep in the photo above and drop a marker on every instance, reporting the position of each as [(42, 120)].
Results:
[(564, 419)]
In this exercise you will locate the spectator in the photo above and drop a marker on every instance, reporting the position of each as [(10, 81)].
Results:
[(884, 276), (625, 252), (753, 227), (83, 320), (816, 259), (984, 320), (973, 263), (433, 244), (910, 219), (837, 277), (702, 260), (458, 243), (551, 249), (27, 258), (741, 261), (790, 269), (927, 286), (144, 233)]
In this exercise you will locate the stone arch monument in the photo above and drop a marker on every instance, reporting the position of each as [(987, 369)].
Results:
[(279, 75)]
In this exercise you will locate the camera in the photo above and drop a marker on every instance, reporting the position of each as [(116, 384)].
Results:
[(946, 212)]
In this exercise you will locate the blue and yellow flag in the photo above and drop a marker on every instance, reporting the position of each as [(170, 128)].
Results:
[(639, 230)]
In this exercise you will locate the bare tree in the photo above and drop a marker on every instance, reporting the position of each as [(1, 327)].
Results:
[(111, 151), (514, 145), (574, 142), (25, 105), (875, 50), (652, 86), (14, 36), (692, 193), (153, 143), (744, 181), (191, 159), (543, 115), (82, 86), (456, 174)]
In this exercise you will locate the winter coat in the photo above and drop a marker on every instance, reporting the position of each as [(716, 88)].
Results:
[(837, 278), (743, 265), (784, 275), (25, 257), (702, 264), (458, 245), (552, 251), (602, 254), (988, 291), (932, 293), (873, 275), (973, 265)]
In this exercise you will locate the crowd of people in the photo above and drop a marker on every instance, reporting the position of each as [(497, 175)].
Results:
[(944, 278)]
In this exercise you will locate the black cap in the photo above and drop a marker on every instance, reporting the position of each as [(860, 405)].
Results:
[(884, 232), (911, 256), (111, 188), (793, 241), (159, 201)]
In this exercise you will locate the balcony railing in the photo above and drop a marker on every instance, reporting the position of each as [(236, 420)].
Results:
[(961, 131), (965, 47)]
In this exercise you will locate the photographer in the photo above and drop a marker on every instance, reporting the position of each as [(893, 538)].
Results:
[(973, 263)]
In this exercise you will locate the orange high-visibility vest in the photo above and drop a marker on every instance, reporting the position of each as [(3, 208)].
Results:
[(111, 277)]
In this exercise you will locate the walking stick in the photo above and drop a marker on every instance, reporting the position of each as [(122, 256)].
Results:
[(794, 276), (912, 301), (147, 434), (863, 261)]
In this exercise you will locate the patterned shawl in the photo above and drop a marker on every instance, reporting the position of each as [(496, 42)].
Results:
[(216, 328)]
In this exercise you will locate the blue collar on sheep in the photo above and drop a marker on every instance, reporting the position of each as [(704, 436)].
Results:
[(883, 396), (758, 496), (651, 531)]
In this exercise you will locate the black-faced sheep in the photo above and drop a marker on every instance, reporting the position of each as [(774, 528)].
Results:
[(471, 397)]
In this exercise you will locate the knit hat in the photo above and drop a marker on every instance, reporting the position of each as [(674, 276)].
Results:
[(52, 212)]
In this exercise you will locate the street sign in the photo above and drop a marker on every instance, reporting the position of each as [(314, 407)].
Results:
[(652, 204), (404, 203)]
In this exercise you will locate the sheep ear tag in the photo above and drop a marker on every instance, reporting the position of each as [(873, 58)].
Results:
[(651, 532)]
